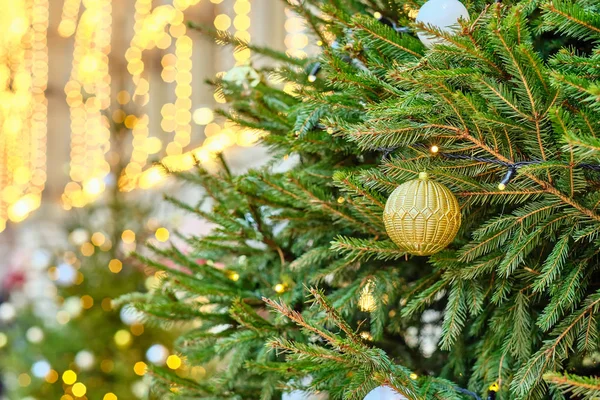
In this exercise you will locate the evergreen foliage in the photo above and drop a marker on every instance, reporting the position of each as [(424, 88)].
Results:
[(518, 288)]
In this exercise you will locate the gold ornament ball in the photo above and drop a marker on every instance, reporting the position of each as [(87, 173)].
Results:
[(422, 216)]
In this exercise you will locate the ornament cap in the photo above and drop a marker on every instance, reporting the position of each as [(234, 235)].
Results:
[(423, 175)]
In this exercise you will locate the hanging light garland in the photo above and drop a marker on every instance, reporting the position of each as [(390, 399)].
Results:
[(177, 117), (88, 95), (23, 108)]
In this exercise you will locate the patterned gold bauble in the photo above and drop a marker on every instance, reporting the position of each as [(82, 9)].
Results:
[(422, 216)]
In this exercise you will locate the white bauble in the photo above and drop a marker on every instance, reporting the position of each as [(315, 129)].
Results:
[(384, 393), (302, 395), (442, 14), (66, 274), (129, 315), (35, 335), (7, 312), (157, 354), (85, 360), (41, 369)]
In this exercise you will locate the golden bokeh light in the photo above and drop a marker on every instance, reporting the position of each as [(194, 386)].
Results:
[(79, 389), (162, 234), (115, 266), (23, 109), (69, 377), (122, 338), (174, 361)]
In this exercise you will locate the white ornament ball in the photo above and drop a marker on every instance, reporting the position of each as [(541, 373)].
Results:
[(157, 354), (129, 315), (384, 393), (85, 360), (35, 334), (66, 274), (41, 369), (7, 312), (302, 395), (442, 14)]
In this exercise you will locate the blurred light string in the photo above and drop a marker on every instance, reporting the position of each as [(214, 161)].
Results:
[(177, 117), (88, 96), (23, 107)]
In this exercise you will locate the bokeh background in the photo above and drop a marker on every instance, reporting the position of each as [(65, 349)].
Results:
[(70, 69)]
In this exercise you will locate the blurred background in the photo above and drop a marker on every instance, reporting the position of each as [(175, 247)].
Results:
[(94, 94), (71, 69)]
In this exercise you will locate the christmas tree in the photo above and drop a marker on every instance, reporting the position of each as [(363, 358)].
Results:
[(66, 340), (310, 288)]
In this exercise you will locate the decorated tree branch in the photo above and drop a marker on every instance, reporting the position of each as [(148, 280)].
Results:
[(478, 279)]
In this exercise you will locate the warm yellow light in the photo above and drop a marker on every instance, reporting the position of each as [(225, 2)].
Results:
[(79, 389), (434, 149), (137, 329), (123, 97), (234, 276), (377, 15), (93, 187), (501, 186), (110, 396), (312, 78), (18, 26), (52, 376), (98, 239), (279, 288), (87, 302), (88, 64), (69, 377), (222, 22), (128, 236), (67, 28), (87, 249), (173, 361), (162, 234), (122, 338), (140, 368), (413, 376), (153, 145), (203, 116), (151, 177), (19, 210), (115, 266)]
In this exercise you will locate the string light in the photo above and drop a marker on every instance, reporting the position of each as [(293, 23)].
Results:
[(279, 288), (23, 108), (296, 39), (242, 23), (68, 21), (163, 27), (90, 129)]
